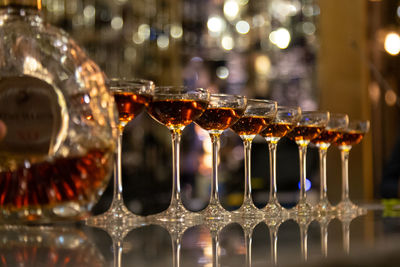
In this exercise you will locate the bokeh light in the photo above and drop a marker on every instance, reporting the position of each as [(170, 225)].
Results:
[(392, 43), (231, 9), (242, 27), (280, 37)]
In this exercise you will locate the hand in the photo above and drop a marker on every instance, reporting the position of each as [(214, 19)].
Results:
[(3, 130)]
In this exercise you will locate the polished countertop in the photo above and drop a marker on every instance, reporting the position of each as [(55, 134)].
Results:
[(368, 239)]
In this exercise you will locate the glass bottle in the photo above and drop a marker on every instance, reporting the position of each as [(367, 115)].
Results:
[(56, 120)]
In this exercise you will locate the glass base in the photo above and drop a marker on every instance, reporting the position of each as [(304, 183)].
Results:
[(347, 207), (176, 212), (324, 207), (248, 210), (274, 209), (215, 211), (302, 208), (117, 221), (117, 212)]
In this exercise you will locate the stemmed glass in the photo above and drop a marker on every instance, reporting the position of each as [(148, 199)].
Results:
[(350, 136), (222, 111), (284, 121), (131, 96), (308, 127), (257, 116), (176, 107), (331, 132)]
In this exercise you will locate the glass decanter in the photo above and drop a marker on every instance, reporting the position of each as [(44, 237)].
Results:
[(56, 121)]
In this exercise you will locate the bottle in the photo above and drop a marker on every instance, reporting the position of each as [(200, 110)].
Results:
[(57, 121)]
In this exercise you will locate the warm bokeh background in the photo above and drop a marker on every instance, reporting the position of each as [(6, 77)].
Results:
[(340, 56)]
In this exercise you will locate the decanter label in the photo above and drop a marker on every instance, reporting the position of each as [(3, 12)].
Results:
[(31, 112)]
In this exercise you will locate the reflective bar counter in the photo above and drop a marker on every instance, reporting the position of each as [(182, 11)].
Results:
[(369, 239)]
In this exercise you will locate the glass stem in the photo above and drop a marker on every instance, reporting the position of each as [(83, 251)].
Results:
[(303, 239), (176, 251), (117, 248), (272, 172), (247, 171), (214, 198), (273, 234), (176, 186), (322, 173), (302, 157), (344, 152), (247, 242), (117, 193), (324, 240), (346, 237), (215, 248)]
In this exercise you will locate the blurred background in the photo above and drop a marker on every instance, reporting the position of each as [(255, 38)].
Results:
[(340, 56)]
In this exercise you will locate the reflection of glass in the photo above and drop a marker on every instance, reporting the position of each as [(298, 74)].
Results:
[(350, 136), (346, 219), (47, 246), (336, 123), (248, 224), (284, 121), (273, 224), (176, 229), (117, 228), (308, 127), (131, 96), (257, 116), (215, 226), (303, 221), (221, 113), (324, 219), (177, 107)]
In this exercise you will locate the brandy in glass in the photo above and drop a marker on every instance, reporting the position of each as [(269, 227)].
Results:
[(222, 112), (176, 107), (257, 116), (284, 121), (352, 135), (308, 128)]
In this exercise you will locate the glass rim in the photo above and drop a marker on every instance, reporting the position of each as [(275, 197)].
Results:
[(229, 95), (133, 83), (282, 107), (265, 101), (180, 90)]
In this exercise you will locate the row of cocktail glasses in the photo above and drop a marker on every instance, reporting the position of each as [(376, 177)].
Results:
[(176, 107)]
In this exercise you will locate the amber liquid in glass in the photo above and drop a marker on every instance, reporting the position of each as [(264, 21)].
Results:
[(277, 130), (176, 112), (129, 105), (52, 183), (349, 138), (326, 137), (250, 125), (307, 133), (219, 118)]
